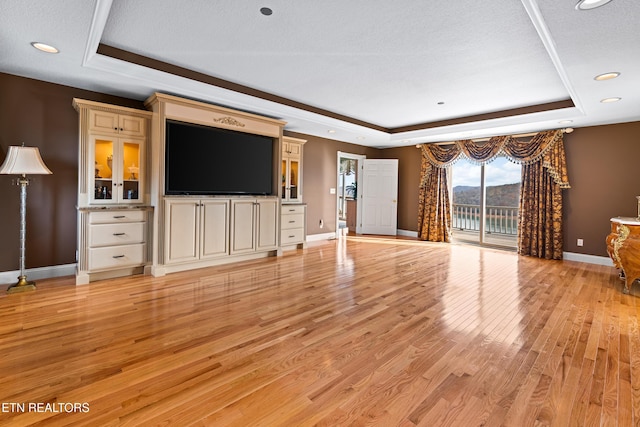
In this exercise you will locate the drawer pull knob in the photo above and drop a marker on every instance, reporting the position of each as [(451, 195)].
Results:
[(292, 210), (291, 222), (118, 234), (118, 256), (119, 216)]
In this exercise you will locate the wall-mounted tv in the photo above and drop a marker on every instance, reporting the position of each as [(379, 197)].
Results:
[(204, 160)]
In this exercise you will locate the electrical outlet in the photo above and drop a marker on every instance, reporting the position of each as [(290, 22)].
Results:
[(580, 242), (332, 191), (321, 224)]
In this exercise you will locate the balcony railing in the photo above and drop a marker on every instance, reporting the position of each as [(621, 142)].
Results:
[(499, 220)]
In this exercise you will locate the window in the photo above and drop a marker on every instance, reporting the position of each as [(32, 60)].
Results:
[(485, 202)]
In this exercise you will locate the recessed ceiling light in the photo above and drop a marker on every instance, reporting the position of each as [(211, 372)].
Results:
[(606, 76), (331, 131), (361, 138), (590, 4), (612, 99), (266, 11), (44, 47), (564, 122)]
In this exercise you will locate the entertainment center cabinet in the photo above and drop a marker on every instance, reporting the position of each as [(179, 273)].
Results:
[(199, 230), (185, 185)]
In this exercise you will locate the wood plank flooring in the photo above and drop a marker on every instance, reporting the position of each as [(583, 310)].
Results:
[(353, 332)]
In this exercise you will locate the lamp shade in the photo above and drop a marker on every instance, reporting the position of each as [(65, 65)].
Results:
[(24, 161)]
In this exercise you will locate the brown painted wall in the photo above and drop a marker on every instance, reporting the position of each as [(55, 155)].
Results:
[(602, 164), (320, 157), (40, 114)]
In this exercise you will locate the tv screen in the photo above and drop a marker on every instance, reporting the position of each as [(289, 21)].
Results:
[(203, 160)]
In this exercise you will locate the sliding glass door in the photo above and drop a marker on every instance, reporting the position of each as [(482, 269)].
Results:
[(485, 202)]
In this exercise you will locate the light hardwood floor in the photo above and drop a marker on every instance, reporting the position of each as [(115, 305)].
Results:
[(360, 331)]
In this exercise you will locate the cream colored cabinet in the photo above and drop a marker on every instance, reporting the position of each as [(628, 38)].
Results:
[(293, 225), (121, 124), (254, 225), (293, 214), (196, 229), (116, 239), (113, 222), (118, 170), (267, 224), (112, 154), (292, 169), (113, 243)]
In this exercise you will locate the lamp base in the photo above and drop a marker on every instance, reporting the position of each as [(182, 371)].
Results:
[(22, 286)]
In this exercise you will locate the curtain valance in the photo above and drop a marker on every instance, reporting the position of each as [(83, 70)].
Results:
[(544, 146)]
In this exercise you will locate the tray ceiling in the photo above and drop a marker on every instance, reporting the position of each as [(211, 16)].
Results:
[(375, 73)]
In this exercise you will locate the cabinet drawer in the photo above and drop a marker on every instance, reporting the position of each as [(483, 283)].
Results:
[(116, 256), (110, 217), (292, 221), (292, 209), (116, 234), (295, 235)]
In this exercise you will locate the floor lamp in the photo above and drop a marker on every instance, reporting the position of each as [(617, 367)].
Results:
[(23, 161)]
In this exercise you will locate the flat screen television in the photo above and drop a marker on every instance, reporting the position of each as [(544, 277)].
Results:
[(204, 160)]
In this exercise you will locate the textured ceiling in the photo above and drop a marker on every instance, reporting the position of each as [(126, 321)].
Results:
[(378, 73)]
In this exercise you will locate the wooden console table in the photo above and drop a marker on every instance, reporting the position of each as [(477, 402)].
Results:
[(623, 246)]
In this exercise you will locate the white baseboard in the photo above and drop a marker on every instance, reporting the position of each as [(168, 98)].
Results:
[(331, 236), (39, 273), (590, 259), (407, 233), (318, 237)]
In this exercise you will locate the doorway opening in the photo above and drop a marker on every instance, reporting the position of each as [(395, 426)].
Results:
[(347, 202)]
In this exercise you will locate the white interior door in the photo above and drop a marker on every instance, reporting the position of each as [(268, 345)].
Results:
[(379, 194)]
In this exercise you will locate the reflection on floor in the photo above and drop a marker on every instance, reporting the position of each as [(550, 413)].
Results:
[(473, 237)]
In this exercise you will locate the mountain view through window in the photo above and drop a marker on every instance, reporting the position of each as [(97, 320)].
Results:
[(502, 183)]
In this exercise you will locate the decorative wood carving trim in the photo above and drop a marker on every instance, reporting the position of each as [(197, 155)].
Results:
[(623, 233), (228, 120)]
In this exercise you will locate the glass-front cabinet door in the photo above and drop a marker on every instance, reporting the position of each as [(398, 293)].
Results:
[(292, 170), (131, 171), (117, 170), (103, 168), (291, 180), (285, 183)]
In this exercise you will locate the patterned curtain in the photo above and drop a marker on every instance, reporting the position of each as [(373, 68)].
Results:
[(544, 175), (434, 207)]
